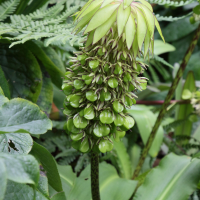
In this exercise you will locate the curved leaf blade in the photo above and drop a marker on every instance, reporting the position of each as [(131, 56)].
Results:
[(184, 177), (22, 115)]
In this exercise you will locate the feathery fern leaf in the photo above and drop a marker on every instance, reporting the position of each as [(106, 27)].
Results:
[(7, 8), (40, 25), (170, 18), (170, 2)]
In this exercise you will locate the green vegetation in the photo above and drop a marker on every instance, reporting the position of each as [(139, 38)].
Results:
[(89, 112)]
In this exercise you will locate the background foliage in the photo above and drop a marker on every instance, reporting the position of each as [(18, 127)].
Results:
[(36, 158)]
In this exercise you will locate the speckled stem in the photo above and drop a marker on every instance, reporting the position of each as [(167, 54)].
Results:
[(95, 176), (167, 101)]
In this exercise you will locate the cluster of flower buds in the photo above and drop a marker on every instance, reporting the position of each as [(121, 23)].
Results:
[(101, 81)]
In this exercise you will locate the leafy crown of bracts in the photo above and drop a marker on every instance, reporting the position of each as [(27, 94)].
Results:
[(102, 78)]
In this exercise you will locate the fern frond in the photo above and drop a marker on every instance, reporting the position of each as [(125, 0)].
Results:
[(170, 18), (7, 8), (23, 28), (170, 3), (83, 161)]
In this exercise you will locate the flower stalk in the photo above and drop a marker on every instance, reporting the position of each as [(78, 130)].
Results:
[(95, 176), (167, 101)]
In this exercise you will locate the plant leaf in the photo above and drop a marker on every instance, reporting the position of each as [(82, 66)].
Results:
[(101, 16), (141, 28), (130, 28), (43, 185), (49, 164), (25, 192), (24, 75), (45, 99), (127, 3), (106, 2), (3, 99), (145, 120), (16, 143), (39, 51), (21, 168), (111, 186), (160, 47), (3, 178), (159, 29), (67, 177), (22, 115), (4, 84), (103, 29), (186, 109), (59, 196), (123, 160), (122, 18), (184, 177)]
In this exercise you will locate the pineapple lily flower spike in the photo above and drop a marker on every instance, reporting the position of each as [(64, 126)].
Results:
[(103, 77)]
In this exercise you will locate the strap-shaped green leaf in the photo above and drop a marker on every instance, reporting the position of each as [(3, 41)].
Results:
[(49, 164), (127, 3), (91, 7), (101, 16), (83, 22), (3, 178), (103, 29), (178, 183), (83, 9), (141, 28), (147, 43), (148, 5), (149, 18), (122, 18), (130, 31), (106, 2), (135, 46), (159, 29)]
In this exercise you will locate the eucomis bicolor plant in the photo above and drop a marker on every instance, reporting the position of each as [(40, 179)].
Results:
[(104, 75)]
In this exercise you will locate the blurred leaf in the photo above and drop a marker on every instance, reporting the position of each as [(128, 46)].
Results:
[(181, 46), (25, 192), (123, 160), (186, 109), (59, 196), (49, 164), (39, 51), (4, 84), (22, 5), (21, 168), (67, 177), (35, 4), (43, 185), (22, 115), (178, 29), (193, 65), (16, 143), (3, 99), (3, 178), (160, 47), (46, 96), (184, 177), (58, 97), (111, 186), (22, 71), (145, 120)]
